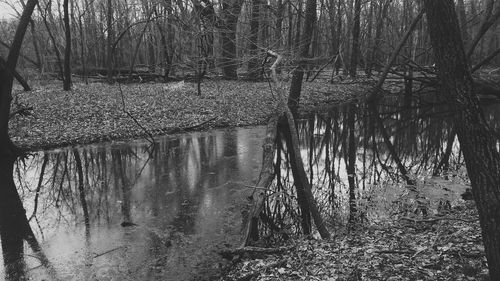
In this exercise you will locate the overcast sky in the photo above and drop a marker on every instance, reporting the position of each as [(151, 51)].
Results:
[(5, 11)]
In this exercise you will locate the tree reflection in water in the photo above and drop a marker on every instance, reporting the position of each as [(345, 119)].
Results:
[(182, 198), (366, 165)]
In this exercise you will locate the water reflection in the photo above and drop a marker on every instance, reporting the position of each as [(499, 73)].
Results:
[(366, 165), (124, 211), (127, 212)]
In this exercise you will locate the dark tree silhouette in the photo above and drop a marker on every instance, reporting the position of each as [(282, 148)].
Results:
[(476, 140)]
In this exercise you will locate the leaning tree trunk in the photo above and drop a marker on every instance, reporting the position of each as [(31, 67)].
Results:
[(476, 140)]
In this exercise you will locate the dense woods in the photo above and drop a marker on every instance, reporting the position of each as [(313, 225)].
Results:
[(169, 39), (437, 53)]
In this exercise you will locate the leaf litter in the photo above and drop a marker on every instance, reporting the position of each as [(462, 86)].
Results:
[(439, 248), (98, 112)]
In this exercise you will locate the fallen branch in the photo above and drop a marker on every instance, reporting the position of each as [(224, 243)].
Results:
[(404, 252), (255, 250), (190, 128), (23, 111), (438, 219)]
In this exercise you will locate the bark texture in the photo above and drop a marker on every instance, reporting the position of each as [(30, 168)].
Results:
[(476, 140)]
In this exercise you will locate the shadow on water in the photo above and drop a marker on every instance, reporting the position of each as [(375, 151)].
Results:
[(124, 211), (118, 211)]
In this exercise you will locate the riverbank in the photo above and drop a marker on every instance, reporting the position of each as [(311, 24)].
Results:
[(439, 248), (101, 112)]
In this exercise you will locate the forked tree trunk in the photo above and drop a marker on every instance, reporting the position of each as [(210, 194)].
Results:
[(476, 140)]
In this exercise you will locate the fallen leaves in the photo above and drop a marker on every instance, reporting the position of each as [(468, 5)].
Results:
[(94, 112), (396, 250)]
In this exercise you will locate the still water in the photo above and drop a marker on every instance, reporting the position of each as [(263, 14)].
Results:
[(124, 211), (183, 198)]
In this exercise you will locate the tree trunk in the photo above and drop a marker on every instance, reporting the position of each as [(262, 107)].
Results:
[(34, 40), (53, 40), (14, 226), (265, 179), (351, 162), (355, 39), (230, 13), (299, 177), (67, 49), (298, 73), (110, 41), (338, 61), (476, 140), (254, 72), (463, 22), (13, 220), (81, 191), (374, 57), (369, 33)]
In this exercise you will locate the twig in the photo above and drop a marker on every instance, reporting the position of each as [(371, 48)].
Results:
[(107, 252), (255, 250), (485, 61), (151, 138), (404, 252)]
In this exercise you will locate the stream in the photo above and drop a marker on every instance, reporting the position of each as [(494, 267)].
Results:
[(125, 211)]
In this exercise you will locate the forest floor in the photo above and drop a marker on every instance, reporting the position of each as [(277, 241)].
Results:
[(101, 112), (438, 248)]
